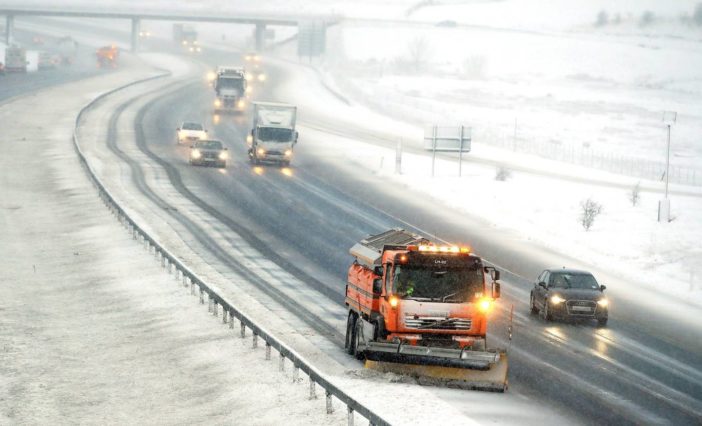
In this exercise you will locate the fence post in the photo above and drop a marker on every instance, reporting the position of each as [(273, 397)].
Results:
[(313, 392), (330, 408)]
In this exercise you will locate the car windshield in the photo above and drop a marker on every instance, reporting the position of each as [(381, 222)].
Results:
[(209, 145), (274, 134), (439, 285), (192, 126), (581, 281)]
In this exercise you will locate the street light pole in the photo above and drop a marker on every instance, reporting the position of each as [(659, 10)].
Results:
[(667, 165), (669, 118)]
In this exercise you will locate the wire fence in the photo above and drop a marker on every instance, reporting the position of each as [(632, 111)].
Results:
[(403, 107), (199, 287)]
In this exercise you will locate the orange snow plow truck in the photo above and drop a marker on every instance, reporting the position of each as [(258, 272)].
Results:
[(107, 56), (419, 309)]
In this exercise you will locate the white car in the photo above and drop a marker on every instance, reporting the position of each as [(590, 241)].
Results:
[(190, 132)]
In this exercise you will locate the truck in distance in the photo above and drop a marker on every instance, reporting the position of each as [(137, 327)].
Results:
[(419, 309), (273, 135), (186, 36), (107, 56), (208, 152), (230, 89), (190, 132), (15, 59)]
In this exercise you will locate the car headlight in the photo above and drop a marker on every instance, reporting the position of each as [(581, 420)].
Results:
[(195, 153), (556, 299), (288, 153), (223, 155), (603, 302), (261, 77), (261, 151)]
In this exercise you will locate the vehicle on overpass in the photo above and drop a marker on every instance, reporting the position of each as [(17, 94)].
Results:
[(186, 36), (15, 59), (208, 152), (569, 294), (107, 56), (230, 89), (273, 136), (420, 309), (190, 132)]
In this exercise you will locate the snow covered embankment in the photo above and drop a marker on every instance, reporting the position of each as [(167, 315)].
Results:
[(88, 339)]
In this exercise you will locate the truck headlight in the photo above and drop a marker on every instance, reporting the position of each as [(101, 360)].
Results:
[(288, 153), (603, 302), (223, 155), (261, 151), (217, 103), (249, 138), (556, 299), (241, 103), (484, 305), (195, 153), (261, 77)]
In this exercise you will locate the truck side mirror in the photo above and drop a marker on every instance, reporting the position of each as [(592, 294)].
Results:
[(496, 275), (603, 287), (296, 136), (377, 286), (542, 284), (378, 270), (177, 129), (496, 291)]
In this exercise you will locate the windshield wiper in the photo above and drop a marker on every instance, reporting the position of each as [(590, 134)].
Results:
[(443, 299)]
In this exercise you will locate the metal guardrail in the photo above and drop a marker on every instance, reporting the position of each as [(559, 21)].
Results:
[(229, 311)]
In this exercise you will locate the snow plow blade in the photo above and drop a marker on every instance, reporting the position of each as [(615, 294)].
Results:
[(476, 370)]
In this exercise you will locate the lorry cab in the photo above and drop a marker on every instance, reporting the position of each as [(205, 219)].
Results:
[(273, 136)]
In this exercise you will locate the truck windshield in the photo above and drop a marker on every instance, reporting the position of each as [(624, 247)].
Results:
[(453, 285), (274, 134), (230, 83)]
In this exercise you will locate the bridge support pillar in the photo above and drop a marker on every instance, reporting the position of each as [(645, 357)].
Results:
[(259, 34), (9, 29), (136, 27)]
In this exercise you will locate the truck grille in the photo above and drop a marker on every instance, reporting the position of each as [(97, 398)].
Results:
[(581, 307), (437, 323)]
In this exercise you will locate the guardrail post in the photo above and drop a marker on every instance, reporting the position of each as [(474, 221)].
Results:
[(170, 266), (231, 320), (281, 365), (215, 308), (209, 302), (185, 278), (313, 391), (224, 315), (202, 296), (330, 408), (268, 351), (192, 288), (350, 415), (242, 333), (296, 373), (254, 343)]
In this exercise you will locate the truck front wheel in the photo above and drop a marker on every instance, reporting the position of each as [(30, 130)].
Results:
[(350, 342), (357, 340)]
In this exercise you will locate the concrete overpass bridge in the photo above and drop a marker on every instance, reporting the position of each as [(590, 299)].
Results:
[(259, 21)]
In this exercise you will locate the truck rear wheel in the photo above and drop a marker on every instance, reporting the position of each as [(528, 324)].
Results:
[(350, 342)]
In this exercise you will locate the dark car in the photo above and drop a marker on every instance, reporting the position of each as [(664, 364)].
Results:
[(208, 152), (569, 294)]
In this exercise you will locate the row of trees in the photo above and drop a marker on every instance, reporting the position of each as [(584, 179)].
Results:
[(647, 17)]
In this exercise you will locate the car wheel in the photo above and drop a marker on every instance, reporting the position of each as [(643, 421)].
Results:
[(545, 313), (534, 309), (358, 332), (350, 334), (602, 322)]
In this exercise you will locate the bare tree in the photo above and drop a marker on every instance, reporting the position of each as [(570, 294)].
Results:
[(602, 19), (634, 196), (502, 174), (590, 210), (419, 51)]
